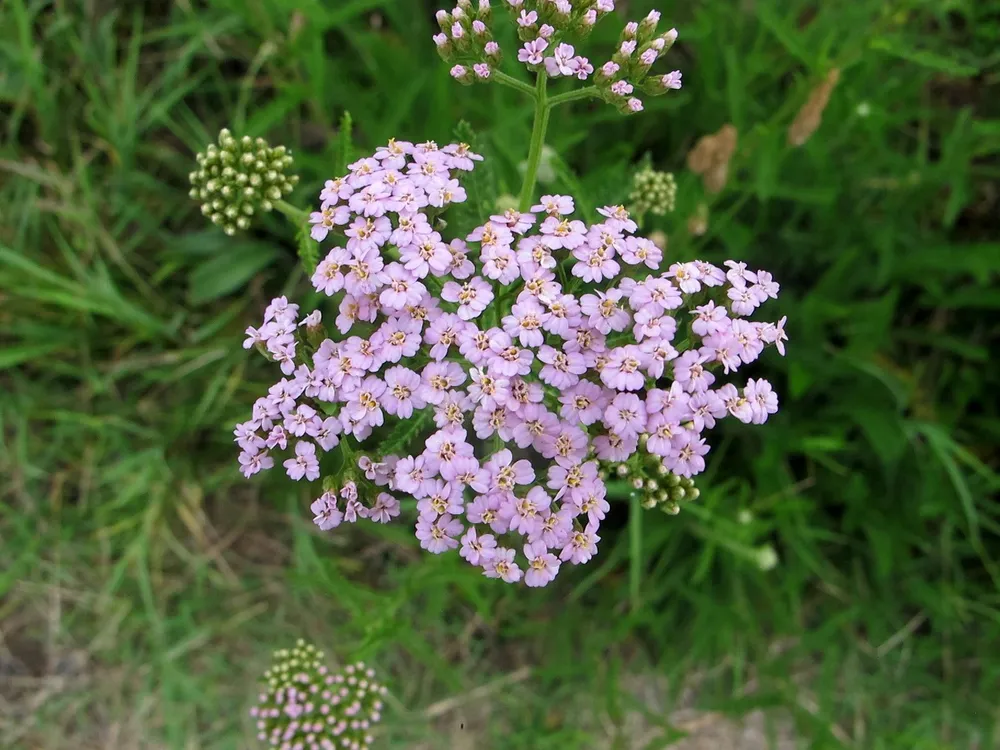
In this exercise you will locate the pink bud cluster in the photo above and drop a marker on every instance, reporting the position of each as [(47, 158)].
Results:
[(537, 344), (628, 72), (466, 41), (546, 27), (306, 707)]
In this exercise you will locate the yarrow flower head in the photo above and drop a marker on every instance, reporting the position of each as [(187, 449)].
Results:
[(239, 178), (550, 32), (304, 705), (488, 375)]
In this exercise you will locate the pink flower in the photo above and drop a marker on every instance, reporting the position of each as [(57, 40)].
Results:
[(583, 402), (626, 415), (505, 473), (251, 463), (443, 447), (403, 392), (500, 264), (736, 404), (762, 399), (501, 565), (439, 378), (525, 514), (581, 545), (738, 274), (326, 515), (304, 464), (542, 565), (562, 369), (508, 359), (555, 205), (472, 297), (396, 338), (487, 390), (689, 372), (671, 80), (409, 475), (604, 311), (623, 371), (446, 331), (775, 334), (527, 18), (438, 535), (621, 88), (533, 422), (661, 430), (531, 53), (581, 67), (525, 322), (327, 434), (386, 507), (563, 233), (709, 319), (596, 264), (439, 498), (568, 445), (515, 221), (401, 289), (640, 250), (687, 454), (706, 408), (477, 549), (363, 408), (561, 61)]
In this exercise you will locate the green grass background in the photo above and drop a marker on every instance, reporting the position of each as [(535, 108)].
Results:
[(143, 582)]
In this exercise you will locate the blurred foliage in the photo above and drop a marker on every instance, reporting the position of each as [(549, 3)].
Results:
[(128, 539)]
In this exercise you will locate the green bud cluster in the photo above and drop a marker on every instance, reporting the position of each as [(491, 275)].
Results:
[(652, 192), (239, 177), (656, 486)]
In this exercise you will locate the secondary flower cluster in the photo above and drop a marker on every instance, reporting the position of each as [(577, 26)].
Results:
[(240, 177), (303, 706), (536, 345), (655, 485), (466, 42), (652, 192)]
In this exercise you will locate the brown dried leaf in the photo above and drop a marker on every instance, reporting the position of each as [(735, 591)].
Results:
[(811, 115), (710, 157)]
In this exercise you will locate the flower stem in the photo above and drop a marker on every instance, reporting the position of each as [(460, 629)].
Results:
[(537, 142), (572, 96), (296, 215), (514, 83)]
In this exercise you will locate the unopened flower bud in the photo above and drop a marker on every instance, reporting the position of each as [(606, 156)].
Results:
[(239, 177), (671, 508), (652, 192), (767, 558), (462, 74)]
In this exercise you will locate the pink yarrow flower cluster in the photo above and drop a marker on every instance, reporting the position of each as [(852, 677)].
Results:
[(515, 358), (548, 31)]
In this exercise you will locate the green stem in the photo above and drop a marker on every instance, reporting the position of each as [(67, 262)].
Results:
[(537, 142), (572, 96), (296, 215), (514, 83)]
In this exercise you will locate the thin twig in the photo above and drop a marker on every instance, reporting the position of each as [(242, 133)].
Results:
[(440, 708)]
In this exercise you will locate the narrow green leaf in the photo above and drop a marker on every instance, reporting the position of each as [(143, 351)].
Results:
[(226, 273)]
